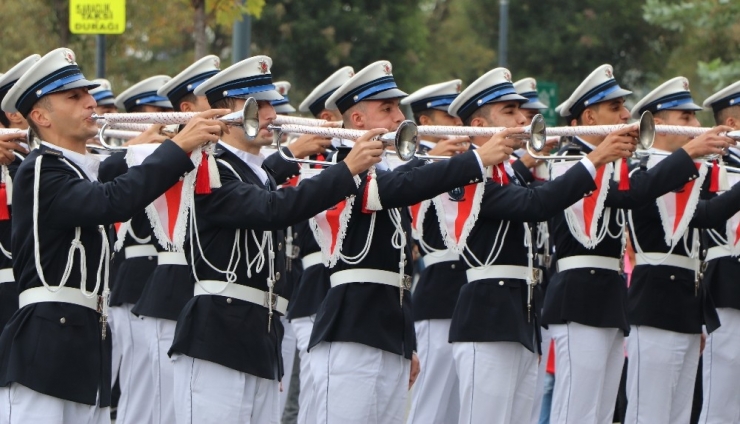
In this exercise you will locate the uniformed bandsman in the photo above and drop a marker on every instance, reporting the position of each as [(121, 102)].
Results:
[(313, 283), (527, 87), (435, 398), (585, 300), (12, 153), (169, 287), (667, 304), (135, 259), (226, 349), (104, 97), (721, 358), (494, 329), (363, 341), (55, 353)]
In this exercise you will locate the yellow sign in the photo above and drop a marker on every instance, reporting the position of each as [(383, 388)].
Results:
[(97, 16)]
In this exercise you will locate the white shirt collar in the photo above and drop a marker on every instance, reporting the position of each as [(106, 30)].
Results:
[(88, 162), (253, 161)]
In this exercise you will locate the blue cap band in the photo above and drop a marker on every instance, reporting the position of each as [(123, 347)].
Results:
[(486, 96)]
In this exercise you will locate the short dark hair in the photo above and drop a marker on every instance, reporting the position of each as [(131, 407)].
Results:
[(721, 115), (4, 119), (190, 97), (43, 102), (426, 112), (225, 103), (579, 119), (482, 112)]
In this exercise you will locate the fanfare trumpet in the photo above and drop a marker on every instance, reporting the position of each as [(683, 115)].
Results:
[(536, 134), (14, 131), (405, 139), (248, 118)]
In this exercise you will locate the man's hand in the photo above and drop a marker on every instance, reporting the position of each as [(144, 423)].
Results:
[(450, 147), (308, 144), (7, 146), (366, 152), (499, 147), (153, 134), (531, 162), (618, 144), (415, 369), (201, 129), (710, 143)]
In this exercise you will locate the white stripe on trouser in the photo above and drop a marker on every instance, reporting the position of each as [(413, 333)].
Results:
[(161, 334), (209, 393), (302, 327), (288, 351), (134, 374), (541, 371), (660, 375), (721, 362), (359, 384), (435, 397), (496, 382), (588, 367), (21, 405)]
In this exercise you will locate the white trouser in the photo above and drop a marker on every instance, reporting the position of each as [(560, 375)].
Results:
[(209, 393), (541, 371), (161, 333), (660, 375), (120, 336), (21, 405), (134, 375), (588, 367), (496, 382), (302, 327), (358, 384), (288, 351), (721, 375), (435, 393)]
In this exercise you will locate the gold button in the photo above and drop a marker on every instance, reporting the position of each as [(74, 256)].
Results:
[(593, 271), (452, 266), (228, 300), (673, 277), (295, 235), (150, 257), (182, 178), (280, 246), (405, 261), (501, 283), (277, 276), (62, 320)]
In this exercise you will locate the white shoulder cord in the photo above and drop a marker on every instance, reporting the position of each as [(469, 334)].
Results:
[(137, 239), (354, 260), (498, 244), (103, 265), (621, 222), (543, 242), (398, 241), (718, 238), (231, 268), (533, 276), (640, 252)]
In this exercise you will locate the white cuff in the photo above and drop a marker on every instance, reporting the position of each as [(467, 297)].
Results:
[(589, 166), (480, 163)]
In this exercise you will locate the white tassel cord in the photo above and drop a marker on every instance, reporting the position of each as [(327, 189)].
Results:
[(76, 245), (373, 195)]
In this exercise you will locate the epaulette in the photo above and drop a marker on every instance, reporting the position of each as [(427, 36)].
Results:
[(218, 151), (48, 151)]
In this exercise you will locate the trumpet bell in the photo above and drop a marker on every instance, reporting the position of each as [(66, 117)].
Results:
[(646, 136), (250, 118), (537, 133), (406, 140)]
